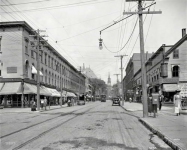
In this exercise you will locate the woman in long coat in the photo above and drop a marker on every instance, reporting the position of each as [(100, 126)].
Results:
[(177, 102)]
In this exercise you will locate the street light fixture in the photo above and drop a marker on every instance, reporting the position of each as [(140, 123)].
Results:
[(100, 44)]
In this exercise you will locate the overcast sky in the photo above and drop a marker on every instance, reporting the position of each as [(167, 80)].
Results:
[(73, 28)]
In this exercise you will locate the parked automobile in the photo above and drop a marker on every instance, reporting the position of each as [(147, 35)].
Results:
[(115, 101)]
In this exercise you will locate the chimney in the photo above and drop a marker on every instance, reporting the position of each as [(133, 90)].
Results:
[(183, 32)]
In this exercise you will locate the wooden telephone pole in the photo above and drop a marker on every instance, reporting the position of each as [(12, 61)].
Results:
[(140, 12), (122, 93), (38, 41)]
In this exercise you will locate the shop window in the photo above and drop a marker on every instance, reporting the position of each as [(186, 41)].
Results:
[(176, 54), (175, 71)]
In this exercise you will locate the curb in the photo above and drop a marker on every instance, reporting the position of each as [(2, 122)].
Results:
[(166, 139)]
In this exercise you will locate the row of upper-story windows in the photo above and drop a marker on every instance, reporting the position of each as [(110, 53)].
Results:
[(49, 61)]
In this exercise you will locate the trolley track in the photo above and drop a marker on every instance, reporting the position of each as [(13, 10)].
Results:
[(53, 128), (45, 121)]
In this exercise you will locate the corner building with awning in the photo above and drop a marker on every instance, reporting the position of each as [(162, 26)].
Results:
[(18, 68)]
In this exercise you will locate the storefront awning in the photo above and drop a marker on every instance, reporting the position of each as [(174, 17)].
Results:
[(55, 93), (170, 87), (44, 91), (34, 71), (29, 89), (32, 89), (10, 88), (70, 94), (1, 86)]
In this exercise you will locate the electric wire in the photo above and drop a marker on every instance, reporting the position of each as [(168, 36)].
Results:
[(31, 21), (59, 6), (127, 40)]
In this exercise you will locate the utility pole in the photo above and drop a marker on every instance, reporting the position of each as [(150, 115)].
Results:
[(117, 81), (60, 86), (38, 71), (121, 56), (38, 38), (143, 70)]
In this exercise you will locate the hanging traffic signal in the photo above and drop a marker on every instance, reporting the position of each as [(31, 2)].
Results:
[(100, 44)]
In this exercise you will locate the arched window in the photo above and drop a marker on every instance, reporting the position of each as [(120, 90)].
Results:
[(52, 79), (55, 79), (49, 77), (58, 82), (46, 76), (175, 71), (26, 68)]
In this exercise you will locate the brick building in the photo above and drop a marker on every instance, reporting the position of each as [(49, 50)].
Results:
[(18, 66)]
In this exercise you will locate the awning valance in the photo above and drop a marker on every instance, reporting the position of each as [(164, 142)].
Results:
[(170, 87), (10, 88)]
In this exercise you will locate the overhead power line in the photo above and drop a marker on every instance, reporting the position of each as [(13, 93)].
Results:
[(62, 6), (127, 40)]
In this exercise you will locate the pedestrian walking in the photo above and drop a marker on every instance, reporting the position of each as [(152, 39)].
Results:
[(45, 103), (161, 97), (33, 105), (42, 103), (130, 99), (177, 102)]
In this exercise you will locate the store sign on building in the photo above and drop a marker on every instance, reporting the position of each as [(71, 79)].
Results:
[(11, 69), (183, 88)]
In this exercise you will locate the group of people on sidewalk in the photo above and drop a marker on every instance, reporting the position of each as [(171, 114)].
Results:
[(177, 98), (43, 104)]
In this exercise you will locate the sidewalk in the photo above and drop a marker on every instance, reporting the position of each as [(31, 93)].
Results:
[(169, 127), (28, 110)]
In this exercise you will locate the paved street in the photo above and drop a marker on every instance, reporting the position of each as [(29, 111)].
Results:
[(96, 125)]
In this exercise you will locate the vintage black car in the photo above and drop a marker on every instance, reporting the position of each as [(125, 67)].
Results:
[(115, 101)]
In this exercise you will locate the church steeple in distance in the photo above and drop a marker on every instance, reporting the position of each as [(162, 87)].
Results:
[(109, 79)]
